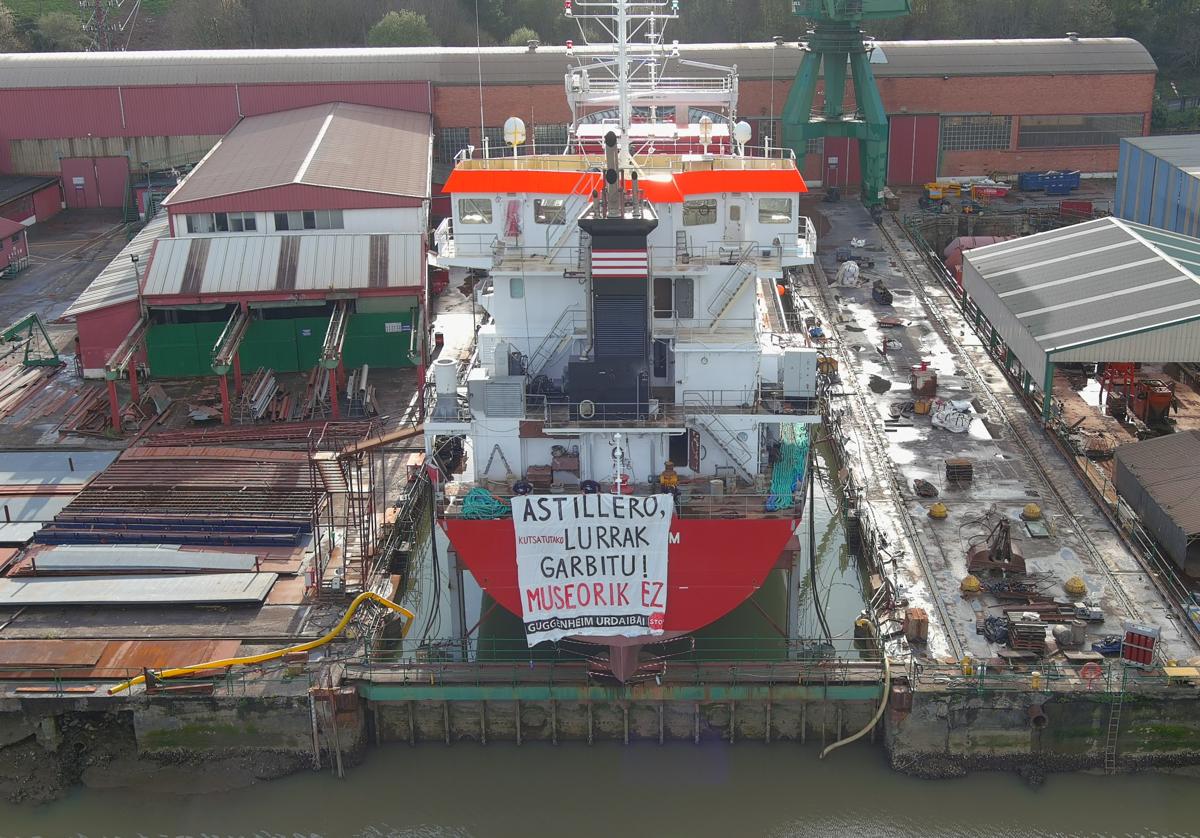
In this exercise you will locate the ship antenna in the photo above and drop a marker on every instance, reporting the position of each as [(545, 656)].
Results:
[(623, 112), (479, 68)]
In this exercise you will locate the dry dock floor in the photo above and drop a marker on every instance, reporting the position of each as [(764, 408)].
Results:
[(1014, 462)]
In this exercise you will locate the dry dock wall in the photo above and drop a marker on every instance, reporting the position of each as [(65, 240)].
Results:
[(947, 734), (646, 718), (50, 743)]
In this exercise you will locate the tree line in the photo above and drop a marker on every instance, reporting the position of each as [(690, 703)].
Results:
[(1170, 29)]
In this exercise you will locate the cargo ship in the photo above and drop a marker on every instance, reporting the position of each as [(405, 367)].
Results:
[(620, 460)]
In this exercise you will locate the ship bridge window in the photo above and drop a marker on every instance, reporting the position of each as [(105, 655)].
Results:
[(700, 212), (550, 210), (774, 210), (516, 287), (474, 211)]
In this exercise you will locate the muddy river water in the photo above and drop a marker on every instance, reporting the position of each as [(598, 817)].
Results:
[(573, 790)]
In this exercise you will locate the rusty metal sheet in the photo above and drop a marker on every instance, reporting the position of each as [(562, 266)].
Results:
[(38, 653), (136, 655)]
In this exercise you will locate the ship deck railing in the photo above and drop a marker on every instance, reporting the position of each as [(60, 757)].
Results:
[(558, 412), (530, 158), (770, 256), (696, 404), (695, 499)]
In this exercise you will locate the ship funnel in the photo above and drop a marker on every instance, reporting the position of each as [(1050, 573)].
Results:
[(445, 382)]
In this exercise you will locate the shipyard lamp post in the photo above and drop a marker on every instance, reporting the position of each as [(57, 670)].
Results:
[(836, 40)]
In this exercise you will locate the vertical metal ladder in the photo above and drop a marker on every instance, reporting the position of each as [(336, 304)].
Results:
[(1114, 730)]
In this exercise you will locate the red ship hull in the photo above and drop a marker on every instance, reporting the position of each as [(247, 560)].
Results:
[(715, 565)]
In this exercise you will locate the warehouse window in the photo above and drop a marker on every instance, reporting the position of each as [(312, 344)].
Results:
[(450, 141), (1071, 131), (202, 223), (550, 139), (774, 210), (699, 212), (550, 210), (234, 222), (474, 211), (762, 129), (815, 145), (976, 133), (309, 220)]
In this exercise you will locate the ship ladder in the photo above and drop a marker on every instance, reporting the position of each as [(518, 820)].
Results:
[(1114, 730)]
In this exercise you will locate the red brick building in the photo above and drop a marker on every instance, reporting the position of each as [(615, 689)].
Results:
[(957, 107), (13, 243)]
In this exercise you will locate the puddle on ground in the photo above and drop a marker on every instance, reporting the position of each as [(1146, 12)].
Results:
[(879, 385)]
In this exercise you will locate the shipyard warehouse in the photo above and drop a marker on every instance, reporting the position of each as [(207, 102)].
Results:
[(620, 391)]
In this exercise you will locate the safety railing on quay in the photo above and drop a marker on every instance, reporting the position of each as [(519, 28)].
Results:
[(679, 662), (83, 680), (1095, 480), (1110, 677)]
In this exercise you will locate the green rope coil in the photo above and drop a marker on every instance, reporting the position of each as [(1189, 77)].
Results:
[(481, 505), (788, 471)]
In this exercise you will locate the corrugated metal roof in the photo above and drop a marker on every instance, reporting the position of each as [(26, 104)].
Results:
[(1086, 284), (17, 186), (339, 145), (1181, 150), (29, 468), (252, 264), (1166, 467), (118, 282), (201, 589), (516, 65), (139, 557)]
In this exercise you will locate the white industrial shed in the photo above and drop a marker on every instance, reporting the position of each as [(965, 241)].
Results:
[(1106, 290)]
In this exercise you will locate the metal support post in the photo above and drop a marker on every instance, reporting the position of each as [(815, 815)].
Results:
[(226, 410), (114, 406)]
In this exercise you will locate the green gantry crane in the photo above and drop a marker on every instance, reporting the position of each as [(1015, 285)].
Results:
[(30, 334), (835, 41)]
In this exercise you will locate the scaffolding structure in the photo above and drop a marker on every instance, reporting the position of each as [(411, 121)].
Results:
[(346, 522)]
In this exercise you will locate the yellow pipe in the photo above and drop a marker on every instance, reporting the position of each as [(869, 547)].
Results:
[(266, 656)]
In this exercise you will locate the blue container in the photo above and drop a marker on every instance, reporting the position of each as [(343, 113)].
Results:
[(1031, 181), (1054, 182)]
